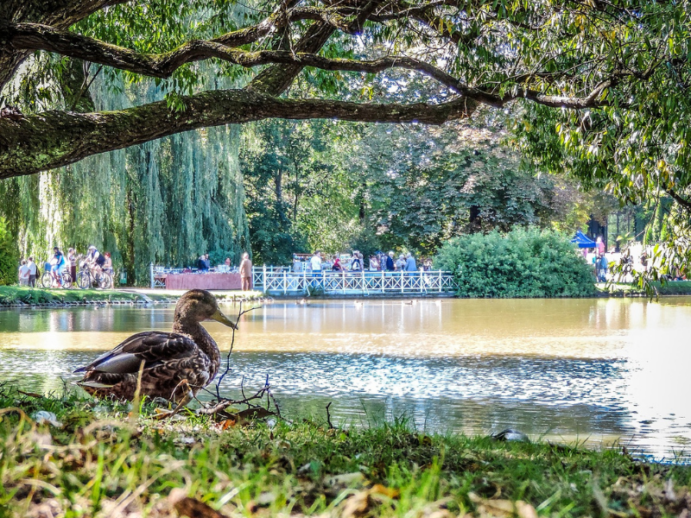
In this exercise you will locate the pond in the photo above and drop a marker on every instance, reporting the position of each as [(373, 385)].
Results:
[(603, 371)]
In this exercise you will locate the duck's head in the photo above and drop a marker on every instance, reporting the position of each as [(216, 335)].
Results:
[(199, 305)]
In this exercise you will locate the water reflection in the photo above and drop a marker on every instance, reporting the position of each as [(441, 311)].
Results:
[(594, 369)]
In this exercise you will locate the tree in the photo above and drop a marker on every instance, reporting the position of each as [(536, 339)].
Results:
[(297, 184), (9, 258), (590, 57)]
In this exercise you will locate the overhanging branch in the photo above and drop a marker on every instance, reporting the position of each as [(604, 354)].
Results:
[(53, 139)]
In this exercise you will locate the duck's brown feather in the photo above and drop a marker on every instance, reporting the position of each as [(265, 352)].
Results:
[(169, 358)]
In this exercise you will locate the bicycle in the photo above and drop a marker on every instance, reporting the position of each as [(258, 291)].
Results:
[(93, 279), (64, 280)]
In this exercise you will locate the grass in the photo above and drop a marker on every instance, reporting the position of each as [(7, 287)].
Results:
[(22, 294), (628, 289), (108, 461), (16, 294)]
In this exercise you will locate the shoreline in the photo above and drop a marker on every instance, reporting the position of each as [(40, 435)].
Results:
[(21, 297)]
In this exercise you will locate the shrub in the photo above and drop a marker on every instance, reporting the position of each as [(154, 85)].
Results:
[(522, 263), (9, 256)]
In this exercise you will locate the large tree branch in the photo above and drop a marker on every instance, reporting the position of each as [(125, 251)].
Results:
[(53, 139), (40, 37), (683, 202), (35, 37), (275, 80)]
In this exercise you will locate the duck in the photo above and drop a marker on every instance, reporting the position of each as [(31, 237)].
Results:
[(177, 365)]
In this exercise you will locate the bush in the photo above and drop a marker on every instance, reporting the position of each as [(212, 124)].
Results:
[(522, 263), (9, 256)]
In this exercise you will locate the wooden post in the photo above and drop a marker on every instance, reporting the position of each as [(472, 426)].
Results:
[(439, 281), (422, 282), (304, 279), (364, 281), (264, 278), (285, 282), (401, 276), (383, 288), (151, 270)]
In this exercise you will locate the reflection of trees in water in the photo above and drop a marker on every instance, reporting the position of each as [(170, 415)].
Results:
[(89, 318)]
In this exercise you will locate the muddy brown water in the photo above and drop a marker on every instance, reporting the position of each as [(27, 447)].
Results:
[(602, 371)]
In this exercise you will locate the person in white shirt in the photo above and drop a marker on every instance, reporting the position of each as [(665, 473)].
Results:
[(24, 274), (316, 261), (33, 272)]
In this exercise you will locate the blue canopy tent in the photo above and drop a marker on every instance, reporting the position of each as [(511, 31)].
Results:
[(583, 241)]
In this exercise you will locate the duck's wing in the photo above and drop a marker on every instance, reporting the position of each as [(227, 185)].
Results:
[(151, 347)]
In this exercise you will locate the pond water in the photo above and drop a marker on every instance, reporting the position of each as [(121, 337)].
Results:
[(603, 371)]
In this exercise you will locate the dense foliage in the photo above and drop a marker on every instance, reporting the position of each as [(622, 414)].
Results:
[(521, 263), (8, 255), (336, 186), (599, 89), (166, 201)]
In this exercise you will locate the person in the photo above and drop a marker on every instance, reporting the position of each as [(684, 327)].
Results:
[(246, 272), (400, 263), (23, 274), (108, 264), (644, 261), (600, 246), (316, 262), (94, 259), (337, 265), (602, 276), (374, 264), (410, 265), (57, 265), (33, 272), (201, 263), (389, 263), (72, 263), (227, 262), (356, 264)]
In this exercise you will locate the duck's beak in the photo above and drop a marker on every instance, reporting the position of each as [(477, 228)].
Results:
[(220, 317)]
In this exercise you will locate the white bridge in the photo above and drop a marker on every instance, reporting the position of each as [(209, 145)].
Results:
[(282, 281), (363, 283)]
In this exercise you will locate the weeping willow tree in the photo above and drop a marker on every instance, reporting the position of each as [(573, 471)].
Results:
[(165, 201)]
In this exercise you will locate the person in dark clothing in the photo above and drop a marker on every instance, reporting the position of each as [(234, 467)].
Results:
[(203, 263), (389, 263)]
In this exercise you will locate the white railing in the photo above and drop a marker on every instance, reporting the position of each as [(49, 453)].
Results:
[(282, 281), (354, 283)]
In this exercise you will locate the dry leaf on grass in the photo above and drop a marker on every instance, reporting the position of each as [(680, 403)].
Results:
[(49, 508), (347, 479), (191, 507), (363, 501), (502, 508), (357, 505)]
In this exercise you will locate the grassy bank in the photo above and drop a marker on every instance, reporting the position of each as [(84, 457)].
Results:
[(104, 461), (629, 290), (25, 295), (22, 295)]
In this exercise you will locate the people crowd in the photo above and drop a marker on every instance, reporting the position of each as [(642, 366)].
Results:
[(386, 262), (59, 263)]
